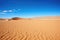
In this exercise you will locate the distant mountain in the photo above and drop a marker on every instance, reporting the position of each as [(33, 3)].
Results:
[(16, 18)]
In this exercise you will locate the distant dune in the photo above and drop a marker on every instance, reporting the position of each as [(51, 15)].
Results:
[(30, 28), (48, 17)]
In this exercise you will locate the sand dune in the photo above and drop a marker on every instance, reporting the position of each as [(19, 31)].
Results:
[(30, 29)]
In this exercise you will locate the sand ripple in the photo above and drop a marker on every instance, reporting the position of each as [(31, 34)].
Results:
[(29, 36)]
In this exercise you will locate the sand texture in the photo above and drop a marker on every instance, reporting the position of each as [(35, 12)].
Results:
[(30, 29)]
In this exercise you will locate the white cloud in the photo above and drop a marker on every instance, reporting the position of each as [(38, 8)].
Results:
[(10, 10), (4, 11)]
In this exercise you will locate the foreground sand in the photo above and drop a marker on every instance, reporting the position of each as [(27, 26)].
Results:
[(30, 29)]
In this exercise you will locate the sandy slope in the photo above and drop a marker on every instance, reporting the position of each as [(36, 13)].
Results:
[(30, 29)]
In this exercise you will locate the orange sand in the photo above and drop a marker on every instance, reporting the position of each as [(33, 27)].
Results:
[(30, 29)]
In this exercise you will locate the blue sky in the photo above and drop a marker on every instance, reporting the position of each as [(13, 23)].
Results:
[(29, 8)]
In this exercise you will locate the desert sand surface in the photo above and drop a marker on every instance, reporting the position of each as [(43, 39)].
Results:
[(30, 29)]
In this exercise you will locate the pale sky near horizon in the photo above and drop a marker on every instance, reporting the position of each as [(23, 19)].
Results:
[(29, 8)]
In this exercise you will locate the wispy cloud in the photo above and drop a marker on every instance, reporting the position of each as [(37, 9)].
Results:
[(5, 11), (9, 11), (16, 10), (2, 13), (19, 9)]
